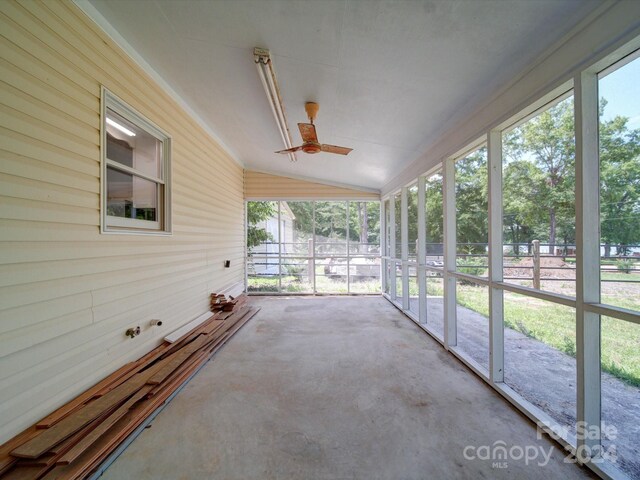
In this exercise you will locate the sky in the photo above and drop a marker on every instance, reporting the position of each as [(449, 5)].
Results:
[(621, 88)]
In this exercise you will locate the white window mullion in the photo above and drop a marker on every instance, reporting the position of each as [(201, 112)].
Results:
[(383, 247), (392, 245), (404, 246), (279, 249), (587, 261), (348, 250), (421, 254), (132, 171), (313, 253), (449, 212), (496, 295)]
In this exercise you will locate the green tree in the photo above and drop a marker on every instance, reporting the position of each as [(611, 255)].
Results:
[(547, 141), (521, 181), (303, 223), (472, 225), (539, 179), (619, 183), (434, 214), (258, 212)]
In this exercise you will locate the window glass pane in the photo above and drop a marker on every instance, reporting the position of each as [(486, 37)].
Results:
[(132, 146), (412, 222), (434, 221), (398, 270), (619, 93), (262, 274), (364, 228), (397, 205), (331, 228), (331, 275), (435, 303), (389, 227), (131, 197), (364, 275), (388, 272), (472, 319), (262, 228), (296, 230), (472, 215), (539, 355), (413, 289), (620, 346), (364, 247), (296, 276), (539, 201), (262, 247)]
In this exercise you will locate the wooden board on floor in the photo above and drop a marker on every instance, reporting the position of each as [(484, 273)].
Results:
[(71, 424), (86, 441)]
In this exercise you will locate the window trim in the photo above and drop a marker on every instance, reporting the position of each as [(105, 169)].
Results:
[(117, 225)]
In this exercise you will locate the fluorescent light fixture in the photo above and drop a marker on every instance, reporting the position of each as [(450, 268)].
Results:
[(125, 130), (268, 77)]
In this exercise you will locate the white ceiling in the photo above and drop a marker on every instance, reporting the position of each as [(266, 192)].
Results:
[(390, 76)]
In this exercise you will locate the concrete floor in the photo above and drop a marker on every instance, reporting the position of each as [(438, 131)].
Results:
[(336, 388)]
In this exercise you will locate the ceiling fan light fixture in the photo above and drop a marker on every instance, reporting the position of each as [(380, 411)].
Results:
[(267, 76)]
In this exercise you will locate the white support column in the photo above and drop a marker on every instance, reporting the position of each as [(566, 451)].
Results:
[(496, 295), (383, 246), (392, 245), (421, 254), (587, 258), (404, 247), (246, 249), (279, 250), (313, 260), (449, 211), (348, 249)]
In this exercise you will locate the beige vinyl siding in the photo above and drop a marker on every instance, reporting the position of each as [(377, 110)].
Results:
[(262, 186), (68, 293)]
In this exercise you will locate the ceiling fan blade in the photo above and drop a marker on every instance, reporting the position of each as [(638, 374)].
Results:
[(308, 132), (336, 149), (289, 150)]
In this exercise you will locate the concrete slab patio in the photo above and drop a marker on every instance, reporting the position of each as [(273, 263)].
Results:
[(336, 388)]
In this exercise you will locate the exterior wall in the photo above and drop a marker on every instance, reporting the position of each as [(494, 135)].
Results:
[(68, 293), (263, 186)]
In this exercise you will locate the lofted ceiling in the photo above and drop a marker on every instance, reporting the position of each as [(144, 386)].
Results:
[(390, 76)]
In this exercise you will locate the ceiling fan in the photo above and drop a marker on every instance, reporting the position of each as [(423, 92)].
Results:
[(310, 139)]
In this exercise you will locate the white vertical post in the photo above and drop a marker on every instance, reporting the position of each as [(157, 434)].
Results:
[(279, 250), (392, 246), (449, 211), (404, 247), (383, 247), (246, 249), (587, 260), (313, 261), (348, 249), (496, 295), (421, 254)]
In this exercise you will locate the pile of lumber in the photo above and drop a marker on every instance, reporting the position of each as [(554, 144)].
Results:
[(75, 439), (220, 303)]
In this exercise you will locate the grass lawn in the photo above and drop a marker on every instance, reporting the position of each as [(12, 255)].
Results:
[(555, 325), (300, 284)]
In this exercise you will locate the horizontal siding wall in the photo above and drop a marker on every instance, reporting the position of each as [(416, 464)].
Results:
[(68, 293), (262, 186)]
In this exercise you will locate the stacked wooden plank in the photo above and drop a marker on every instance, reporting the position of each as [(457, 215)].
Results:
[(75, 439), (219, 302)]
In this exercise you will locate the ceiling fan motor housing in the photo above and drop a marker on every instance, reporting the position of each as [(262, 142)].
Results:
[(311, 147)]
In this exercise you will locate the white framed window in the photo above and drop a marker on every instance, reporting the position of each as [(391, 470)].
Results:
[(135, 171)]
